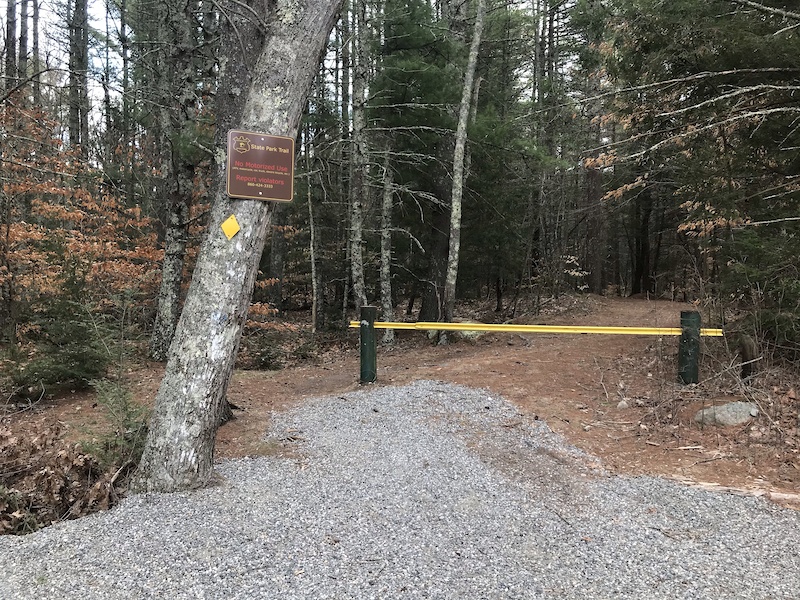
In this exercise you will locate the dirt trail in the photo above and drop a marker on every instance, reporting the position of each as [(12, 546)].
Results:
[(573, 382)]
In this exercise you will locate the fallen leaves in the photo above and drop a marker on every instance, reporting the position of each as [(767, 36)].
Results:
[(43, 479)]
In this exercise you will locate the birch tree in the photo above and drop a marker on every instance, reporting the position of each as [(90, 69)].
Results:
[(458, 165), (358, 181), (387, 306), (269, 57)]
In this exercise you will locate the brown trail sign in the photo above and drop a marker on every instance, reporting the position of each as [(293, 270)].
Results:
[(260, 166)]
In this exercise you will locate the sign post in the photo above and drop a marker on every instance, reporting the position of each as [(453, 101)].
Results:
[(260, 166)]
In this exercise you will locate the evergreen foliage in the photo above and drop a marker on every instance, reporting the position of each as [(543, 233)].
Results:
[(708, 104), (70, 343)]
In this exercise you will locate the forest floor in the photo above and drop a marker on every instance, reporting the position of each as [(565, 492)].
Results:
[(575, 383)]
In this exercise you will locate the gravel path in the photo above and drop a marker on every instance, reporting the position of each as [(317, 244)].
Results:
[(424, 491)]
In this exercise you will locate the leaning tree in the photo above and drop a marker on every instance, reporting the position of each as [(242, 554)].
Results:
[(270, 52)]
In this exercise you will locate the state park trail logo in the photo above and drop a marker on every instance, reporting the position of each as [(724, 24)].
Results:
[(241, 144)]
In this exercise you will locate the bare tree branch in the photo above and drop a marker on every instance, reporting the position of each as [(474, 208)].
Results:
[(23, 83), (770, 222), (733, 94), (756, 114), (664, 84), (770, 10)]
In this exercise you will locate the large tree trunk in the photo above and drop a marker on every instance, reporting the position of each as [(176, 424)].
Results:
[(177, 82), (126, 128), (640, 246), (169, 294), (596, 249), (432, 305), (317, 297), (267, 68)]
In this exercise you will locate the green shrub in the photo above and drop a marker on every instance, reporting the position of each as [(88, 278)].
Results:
[(69, 345), (121, 448)]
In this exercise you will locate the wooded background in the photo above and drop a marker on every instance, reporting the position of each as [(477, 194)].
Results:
[(449, 151)]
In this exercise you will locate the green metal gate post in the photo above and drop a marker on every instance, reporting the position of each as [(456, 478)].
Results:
[(369, 351), (689, 349)]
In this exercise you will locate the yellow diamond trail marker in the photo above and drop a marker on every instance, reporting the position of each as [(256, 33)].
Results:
[(230, 227)]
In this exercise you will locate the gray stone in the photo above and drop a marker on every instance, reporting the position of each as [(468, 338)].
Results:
[(468, 335), (735, 413)]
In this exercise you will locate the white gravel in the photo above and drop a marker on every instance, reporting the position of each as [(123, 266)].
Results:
[(424, 491)]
